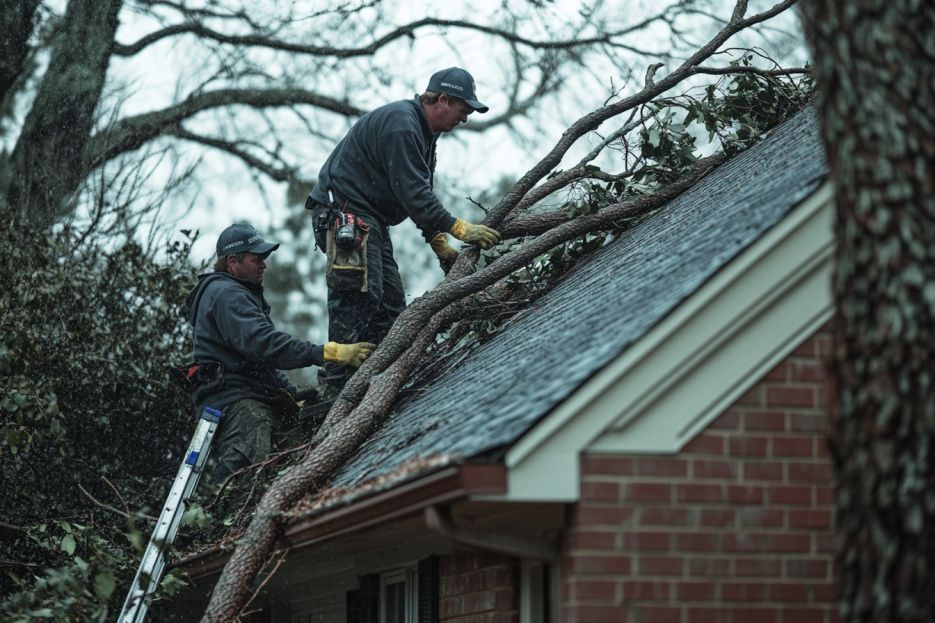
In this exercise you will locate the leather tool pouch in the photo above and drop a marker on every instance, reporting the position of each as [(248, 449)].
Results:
[(193, 376), (346, 248)]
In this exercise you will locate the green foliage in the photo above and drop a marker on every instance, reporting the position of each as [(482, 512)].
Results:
[(740, 109), (77, 587), (85, 335), (732, 114)]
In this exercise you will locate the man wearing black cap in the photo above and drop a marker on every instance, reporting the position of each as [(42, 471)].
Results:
[(380, 174), (236, 340)]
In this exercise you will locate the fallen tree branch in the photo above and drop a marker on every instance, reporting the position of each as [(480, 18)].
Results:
[(539, 223), (372, 390), (269, 576), (353, 418)]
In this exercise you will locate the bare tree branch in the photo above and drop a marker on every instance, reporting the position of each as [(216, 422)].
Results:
[(407, 30), (749, 69), (110, 508), (133, 132), (281, 174)]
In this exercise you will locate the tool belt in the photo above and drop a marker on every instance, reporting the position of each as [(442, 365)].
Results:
[(194, 376), (204, 379), (342, 235)]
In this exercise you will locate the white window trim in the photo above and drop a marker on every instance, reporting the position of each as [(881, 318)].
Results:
[(539, 584), (409, 576)]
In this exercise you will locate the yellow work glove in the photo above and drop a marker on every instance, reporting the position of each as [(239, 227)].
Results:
[(481, 235), (348, 354), (446, 255)]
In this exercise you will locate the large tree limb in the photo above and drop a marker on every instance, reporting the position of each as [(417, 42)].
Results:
[(373, 390), (356, 409), (134, 132)]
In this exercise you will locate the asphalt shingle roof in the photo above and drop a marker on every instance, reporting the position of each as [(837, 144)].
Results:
[(502, 388)]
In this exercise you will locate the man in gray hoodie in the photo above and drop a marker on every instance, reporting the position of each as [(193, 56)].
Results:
[(380, 174), (236, 341)]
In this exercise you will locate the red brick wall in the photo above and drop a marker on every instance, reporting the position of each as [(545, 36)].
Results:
[(478, 587), (735, 528)]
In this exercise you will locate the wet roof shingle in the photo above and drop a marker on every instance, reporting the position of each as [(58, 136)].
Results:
[(504, 386)]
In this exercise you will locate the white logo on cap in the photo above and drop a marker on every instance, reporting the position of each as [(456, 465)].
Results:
[(453, 86), (240, 242)]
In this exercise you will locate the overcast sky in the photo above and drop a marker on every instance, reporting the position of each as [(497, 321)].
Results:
[(468, 162)]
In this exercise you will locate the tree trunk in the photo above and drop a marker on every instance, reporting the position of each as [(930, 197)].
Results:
[(45, 167), (875, 70), (16, 23)]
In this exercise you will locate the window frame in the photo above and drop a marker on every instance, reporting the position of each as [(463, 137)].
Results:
[(409, 577)]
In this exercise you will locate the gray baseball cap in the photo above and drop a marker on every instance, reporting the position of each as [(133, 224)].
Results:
[(458, 82), (241, 237)]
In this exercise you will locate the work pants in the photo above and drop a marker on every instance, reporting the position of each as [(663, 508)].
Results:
[(355, 316), (243, 438)]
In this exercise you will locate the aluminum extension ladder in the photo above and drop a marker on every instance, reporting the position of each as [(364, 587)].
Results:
[(154, 558)]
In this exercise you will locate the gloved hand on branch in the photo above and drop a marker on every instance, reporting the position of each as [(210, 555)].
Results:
[(348, 354), (446, 255), (481, 235)]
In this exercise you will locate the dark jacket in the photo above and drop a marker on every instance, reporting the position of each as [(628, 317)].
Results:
[(384, 169), (233, 328)]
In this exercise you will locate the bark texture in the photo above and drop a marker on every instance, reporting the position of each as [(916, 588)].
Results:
[(16, 22), (875, 71), (46, 164)]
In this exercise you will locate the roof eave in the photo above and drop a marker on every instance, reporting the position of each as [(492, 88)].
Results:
[(445, 486)]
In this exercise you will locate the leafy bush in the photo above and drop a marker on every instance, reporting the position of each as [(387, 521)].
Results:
[(87, 410)]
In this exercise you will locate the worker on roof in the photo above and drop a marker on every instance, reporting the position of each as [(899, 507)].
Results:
[(380, 174), (234, 336)]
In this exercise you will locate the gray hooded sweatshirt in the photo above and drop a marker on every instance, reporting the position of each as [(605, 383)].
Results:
[(384, 169), (233, 328)]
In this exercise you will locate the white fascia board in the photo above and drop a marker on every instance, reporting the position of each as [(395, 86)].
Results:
[(704, 355)]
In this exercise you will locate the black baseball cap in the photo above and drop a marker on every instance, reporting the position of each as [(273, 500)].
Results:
[(458, 82), (241, 237)]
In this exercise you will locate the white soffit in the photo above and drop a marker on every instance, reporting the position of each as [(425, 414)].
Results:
[(696, 362)]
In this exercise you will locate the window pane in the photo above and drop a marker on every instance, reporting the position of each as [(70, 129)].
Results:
[(396, 602)]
